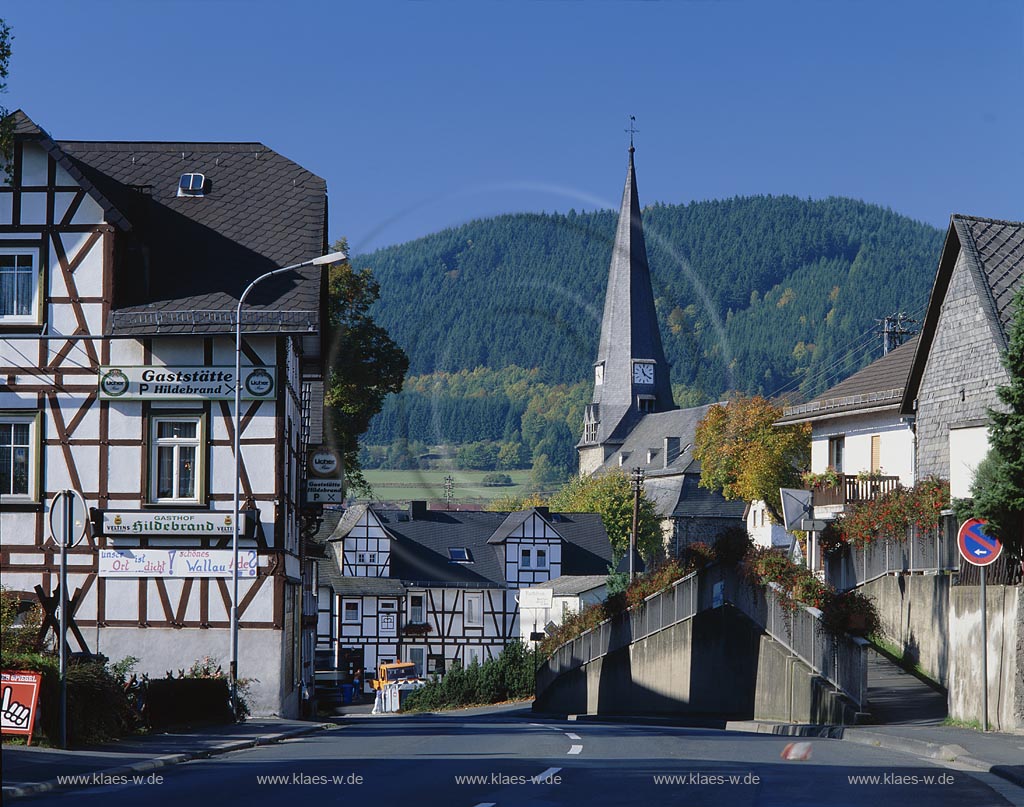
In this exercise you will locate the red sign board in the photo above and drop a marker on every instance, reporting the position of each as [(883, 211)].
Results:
[(19, 694), (975, 545)]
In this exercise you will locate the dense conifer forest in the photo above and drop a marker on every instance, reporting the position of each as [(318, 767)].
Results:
[(500, 317)]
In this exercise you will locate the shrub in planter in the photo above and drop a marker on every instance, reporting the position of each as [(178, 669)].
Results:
[(697, 555), (849, 612), (831, 539)]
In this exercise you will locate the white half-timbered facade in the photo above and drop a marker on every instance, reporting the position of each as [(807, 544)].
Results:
[(120, 269), (442, 586)]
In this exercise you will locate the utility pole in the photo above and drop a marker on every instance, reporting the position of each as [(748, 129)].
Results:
[(636, 480), (895, 328)]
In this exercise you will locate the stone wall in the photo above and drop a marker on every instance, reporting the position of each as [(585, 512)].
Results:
[(1005, 618), (963, 370)]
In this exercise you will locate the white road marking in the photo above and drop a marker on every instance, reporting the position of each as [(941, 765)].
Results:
[(575, 749), (572, 736), (546, 774), (487, 804)]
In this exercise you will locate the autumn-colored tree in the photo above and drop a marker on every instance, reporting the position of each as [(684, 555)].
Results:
[(612, 496), (745, 456)]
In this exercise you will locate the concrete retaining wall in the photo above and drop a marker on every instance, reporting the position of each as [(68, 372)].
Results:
[(914, 611), (718, 663), (1005, 607)]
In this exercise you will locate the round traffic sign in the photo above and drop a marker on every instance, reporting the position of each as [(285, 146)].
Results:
[(60, 503), (976, 546)]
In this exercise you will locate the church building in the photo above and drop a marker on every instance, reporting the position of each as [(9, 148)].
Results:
[(632, 420)]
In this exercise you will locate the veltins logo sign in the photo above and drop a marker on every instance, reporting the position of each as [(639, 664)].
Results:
[(184, 383)]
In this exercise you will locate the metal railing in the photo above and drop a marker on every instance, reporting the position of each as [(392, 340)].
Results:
[(932, 551), (841, 660), (851, 489)]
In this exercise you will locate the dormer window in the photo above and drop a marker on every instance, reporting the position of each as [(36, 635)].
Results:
[(191, 184)]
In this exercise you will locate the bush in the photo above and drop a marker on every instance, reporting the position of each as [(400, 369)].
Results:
[(509, 676), (732, 545), (177, 701), (496, 481), (851, 612)]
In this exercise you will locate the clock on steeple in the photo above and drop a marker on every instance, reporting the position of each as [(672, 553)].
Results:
[(643, 372)]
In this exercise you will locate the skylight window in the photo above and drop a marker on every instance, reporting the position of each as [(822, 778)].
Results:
[(459, 554), (191, 184)]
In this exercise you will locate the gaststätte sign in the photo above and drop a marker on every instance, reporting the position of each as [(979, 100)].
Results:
[(151, 522), (184, 383), (147, 562)]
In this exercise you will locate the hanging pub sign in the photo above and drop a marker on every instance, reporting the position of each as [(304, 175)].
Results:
[(159, 522), (147, 562), (184, 383), (323, 476)]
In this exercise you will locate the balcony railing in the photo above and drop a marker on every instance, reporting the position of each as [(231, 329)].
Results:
[(851, 489)]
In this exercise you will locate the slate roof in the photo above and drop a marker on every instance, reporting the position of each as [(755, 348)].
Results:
[(880, 385), (419, 547), (650, 433), (187, 259), (629, 325), (569, 585), (697, 502), (994, 253)]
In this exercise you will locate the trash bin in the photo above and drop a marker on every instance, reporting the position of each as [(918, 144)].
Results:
[(346, 694)]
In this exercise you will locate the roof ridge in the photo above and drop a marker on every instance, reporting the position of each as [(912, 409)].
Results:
[(966, 217)]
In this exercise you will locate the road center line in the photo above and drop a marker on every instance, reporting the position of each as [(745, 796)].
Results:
[(546, 774), (487, 804), (572, 736), (576, 749)]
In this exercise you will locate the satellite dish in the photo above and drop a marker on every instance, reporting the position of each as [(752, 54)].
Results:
[(796, 506)]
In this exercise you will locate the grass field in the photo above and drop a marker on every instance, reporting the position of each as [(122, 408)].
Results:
[(402, 486)]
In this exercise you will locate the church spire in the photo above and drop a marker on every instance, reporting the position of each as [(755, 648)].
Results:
[(631, 374)]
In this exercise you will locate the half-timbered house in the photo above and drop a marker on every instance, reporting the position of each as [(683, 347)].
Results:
[(121, 265), (437, 587)]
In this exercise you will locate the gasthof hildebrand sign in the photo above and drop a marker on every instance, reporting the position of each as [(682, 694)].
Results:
[(184, 383)]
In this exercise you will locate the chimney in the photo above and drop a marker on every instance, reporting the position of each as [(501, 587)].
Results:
[(671, 450), (417, 509), (543, 512)]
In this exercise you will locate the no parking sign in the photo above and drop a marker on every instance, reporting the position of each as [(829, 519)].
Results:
[(976, 546)]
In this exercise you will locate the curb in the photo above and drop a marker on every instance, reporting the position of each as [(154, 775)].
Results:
[(941, 752), (149, 765)]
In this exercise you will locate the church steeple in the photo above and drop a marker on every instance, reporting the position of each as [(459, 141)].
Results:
[(631, 375)]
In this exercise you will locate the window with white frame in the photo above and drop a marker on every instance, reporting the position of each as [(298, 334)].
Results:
[(472, 656), (541, 558), (178, 451), (19, 456), (474, 609), (350, 611), (418, 656), (525, 559), (533, 558), (19, 286)]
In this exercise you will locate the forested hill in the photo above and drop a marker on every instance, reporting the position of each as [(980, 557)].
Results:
[(752, 293)]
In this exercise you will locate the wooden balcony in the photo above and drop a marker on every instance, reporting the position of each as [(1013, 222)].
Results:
[(850, 490)]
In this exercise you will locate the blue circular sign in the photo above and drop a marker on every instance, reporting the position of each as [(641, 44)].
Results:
[(976, 546)]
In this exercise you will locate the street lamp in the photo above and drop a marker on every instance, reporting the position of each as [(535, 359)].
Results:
[(323, 260), (636, 479)]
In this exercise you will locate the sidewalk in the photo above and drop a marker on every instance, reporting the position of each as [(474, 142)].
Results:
[(31, 770)]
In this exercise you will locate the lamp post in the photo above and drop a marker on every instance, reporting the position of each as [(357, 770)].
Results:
[(636, 479), (334, 257)]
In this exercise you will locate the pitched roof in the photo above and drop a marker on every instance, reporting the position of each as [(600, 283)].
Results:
[(185, 260), (994, 254), (649, 435), (419, 546), (27, 129), (571, 584), (880, 385), (697, 502)]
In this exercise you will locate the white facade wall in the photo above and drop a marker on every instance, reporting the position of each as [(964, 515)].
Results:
[(896, 443)]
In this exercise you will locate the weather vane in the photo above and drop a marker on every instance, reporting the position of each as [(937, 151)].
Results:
[(632, 129)]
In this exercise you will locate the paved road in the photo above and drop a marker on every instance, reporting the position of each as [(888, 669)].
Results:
[(473, 760)]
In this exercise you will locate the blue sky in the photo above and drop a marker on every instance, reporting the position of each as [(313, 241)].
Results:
[(425, 115)]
